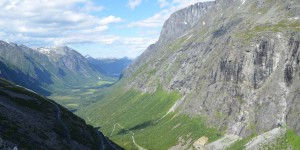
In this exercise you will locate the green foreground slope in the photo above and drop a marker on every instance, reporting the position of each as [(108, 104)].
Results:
[(134, 119)]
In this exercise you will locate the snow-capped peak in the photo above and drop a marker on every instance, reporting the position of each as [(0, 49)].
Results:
[(44, 51)]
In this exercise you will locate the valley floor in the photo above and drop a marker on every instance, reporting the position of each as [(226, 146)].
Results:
[(75, 97)]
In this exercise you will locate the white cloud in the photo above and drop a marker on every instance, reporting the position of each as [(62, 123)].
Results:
[(53, 22), (120, 47), (110, 19), (86, 38), (96, 29), (152, 22), (181, 4), (132, 4), (90, 6), (158, 19), (136, 45), (163, 3)]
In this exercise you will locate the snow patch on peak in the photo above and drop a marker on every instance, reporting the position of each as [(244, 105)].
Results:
[(44, 51), (243, 2)]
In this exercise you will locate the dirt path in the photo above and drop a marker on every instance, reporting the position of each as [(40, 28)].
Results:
[(113, 130), (102, 138), (58, 117)]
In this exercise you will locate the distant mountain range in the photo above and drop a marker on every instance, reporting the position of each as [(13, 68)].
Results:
[(45, 69), (110, 66)]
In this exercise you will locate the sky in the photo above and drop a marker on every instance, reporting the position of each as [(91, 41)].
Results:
[(99, 28)]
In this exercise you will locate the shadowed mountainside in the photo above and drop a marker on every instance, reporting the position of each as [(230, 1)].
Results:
[(30, 121)]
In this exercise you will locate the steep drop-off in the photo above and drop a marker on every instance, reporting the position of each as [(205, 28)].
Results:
[(30, 121), (235, 66)]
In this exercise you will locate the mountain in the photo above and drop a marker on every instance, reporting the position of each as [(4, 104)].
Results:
[(30, 121), (110, 66), (17, 64), (72, 66), (45, 69), (223, 74)]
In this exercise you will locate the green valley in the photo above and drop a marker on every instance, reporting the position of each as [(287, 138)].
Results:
[(132, 116), (75, 97)]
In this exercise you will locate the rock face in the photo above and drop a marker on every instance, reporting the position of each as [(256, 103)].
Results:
[(29, 121), (236, 63), (183, 21)]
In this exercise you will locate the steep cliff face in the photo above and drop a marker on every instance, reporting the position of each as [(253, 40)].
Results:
[(178, 25), (236, 66), (183, 21)]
